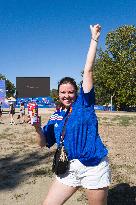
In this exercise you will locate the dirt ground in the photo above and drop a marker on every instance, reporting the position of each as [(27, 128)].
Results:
[(25, 169)]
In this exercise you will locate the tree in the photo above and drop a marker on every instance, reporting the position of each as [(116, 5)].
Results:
[(54, 94), (10, 88), (115, 68)]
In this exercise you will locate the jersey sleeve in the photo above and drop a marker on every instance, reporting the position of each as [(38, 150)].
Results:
[(48, 131), (88, 99)]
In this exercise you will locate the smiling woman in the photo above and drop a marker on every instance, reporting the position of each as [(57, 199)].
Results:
[(67, 91), (74, 127)]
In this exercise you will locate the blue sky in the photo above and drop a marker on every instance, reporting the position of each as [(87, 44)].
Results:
[(51, 37)]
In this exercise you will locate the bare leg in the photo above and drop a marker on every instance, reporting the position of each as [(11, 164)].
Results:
[(23, 118), (97, 196), (0, 115), (12, 119), (59, 193)]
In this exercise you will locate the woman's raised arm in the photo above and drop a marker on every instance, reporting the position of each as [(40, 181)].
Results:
[(88, 69)]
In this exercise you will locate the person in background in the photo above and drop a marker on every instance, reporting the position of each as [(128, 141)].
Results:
[(0, 109), (22, 112), (11, 113), (88, 160)]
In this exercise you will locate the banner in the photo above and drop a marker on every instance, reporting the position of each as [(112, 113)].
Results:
[(2, 90)]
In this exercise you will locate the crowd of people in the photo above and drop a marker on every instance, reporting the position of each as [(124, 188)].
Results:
[(22, 116)]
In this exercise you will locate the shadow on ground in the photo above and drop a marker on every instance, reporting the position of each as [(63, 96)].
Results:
[(2, 123), (15, 169), (122, 194)]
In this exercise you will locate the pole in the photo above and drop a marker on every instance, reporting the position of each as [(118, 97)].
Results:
[(111, 102)]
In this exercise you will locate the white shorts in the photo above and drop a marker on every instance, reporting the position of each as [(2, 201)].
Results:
[(89, 177)]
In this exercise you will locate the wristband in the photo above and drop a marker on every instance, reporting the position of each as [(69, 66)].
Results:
[(95, 40)]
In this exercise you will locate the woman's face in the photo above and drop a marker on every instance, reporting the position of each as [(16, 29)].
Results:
[(67, 94)]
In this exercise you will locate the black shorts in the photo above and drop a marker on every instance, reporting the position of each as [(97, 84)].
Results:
[(12, 112)]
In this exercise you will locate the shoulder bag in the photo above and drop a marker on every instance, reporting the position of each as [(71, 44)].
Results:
[(60, 161)]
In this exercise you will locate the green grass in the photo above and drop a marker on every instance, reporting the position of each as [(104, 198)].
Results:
[(126, 120), (118, 120)]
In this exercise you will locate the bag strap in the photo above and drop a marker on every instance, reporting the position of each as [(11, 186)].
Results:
[(64, 127)]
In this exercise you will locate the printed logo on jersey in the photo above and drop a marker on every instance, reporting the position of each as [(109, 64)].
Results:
[(56, 117), (56, 125)]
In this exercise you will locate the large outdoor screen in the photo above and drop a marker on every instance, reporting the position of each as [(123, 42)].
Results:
[(32, 86)]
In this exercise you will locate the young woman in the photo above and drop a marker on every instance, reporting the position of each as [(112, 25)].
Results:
[(0, 109), (22, 112), (11, 113), (89, 167)]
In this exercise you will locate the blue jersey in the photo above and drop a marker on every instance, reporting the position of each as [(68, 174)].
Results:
[(82, 140)]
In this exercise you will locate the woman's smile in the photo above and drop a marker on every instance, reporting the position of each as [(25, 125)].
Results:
[(67, 94)]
